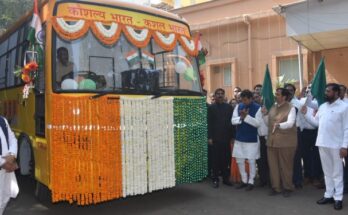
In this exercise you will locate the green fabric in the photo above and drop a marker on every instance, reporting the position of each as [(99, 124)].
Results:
[(267, 90), (319, 83), (190, 134)]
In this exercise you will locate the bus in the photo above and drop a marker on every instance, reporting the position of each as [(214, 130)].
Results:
[(117, 108)]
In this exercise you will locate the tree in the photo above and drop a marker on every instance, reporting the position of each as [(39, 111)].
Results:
[(11, 11)]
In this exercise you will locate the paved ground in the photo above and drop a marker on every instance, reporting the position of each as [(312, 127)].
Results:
[(198, 198)]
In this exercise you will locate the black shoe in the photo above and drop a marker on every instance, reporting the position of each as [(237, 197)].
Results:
[(286, 193), (227, 183), (338, 205), (324, 201), (241, 185), (273, 193), (249, 187), (215, 184)]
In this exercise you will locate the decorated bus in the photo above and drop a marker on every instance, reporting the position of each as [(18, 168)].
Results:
[(106, 103)]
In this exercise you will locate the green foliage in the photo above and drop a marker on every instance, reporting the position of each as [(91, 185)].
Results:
[(11, 11)]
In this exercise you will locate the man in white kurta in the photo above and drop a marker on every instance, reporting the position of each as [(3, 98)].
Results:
[(247, 117), (332, 140), (8, 182)]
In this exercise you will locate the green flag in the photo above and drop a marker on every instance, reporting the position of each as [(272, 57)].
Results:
[(267, 91), (319, 83)]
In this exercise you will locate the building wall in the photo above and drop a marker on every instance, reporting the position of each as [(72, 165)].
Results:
[(336, 64), (225, 35)]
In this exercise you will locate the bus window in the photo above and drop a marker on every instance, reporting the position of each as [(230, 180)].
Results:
[(123, 67)]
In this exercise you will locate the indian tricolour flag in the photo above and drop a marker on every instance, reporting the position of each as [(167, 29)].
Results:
[(148, 56), (132, 57), (35, 35)]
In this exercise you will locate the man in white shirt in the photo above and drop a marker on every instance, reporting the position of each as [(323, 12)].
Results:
[(8, 152), (306, 149), (332, 140), (247, 117)]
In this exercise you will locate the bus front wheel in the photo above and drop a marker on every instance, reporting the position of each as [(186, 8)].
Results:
[(25, 156)]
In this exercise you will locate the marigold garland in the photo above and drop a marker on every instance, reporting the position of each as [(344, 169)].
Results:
[(63, 33), (190, 133), (85, 150), (106, 39), (165, 46), (140, 40)]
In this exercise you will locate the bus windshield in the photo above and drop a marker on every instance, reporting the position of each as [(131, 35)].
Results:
[(87, 65)]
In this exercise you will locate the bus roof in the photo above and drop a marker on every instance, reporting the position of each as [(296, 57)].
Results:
[(140, 8)]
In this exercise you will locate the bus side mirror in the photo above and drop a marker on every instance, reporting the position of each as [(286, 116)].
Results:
[(30, 56)]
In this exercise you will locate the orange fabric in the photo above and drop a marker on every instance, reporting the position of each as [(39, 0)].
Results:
[(235, 175), (85, 149)]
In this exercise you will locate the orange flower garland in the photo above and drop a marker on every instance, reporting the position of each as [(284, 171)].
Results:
[(85, 150), (163, 45), (71, 35), (106, 40), (79, 32)]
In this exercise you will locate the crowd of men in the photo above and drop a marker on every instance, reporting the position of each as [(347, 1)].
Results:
[(293, 143)]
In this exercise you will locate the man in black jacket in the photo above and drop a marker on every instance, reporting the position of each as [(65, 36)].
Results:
[(220, 134)]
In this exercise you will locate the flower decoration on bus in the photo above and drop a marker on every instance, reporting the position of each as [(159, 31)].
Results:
[(108, 33), (28, 74)]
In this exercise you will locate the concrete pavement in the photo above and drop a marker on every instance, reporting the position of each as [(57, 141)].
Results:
[(199, 198)]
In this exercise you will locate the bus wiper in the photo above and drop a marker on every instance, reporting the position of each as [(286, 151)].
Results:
[(175, 92), (99, 95)]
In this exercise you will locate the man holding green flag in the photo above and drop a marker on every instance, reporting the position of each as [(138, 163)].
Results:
[(332, 140)]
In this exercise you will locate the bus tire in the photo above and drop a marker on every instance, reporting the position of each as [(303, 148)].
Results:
[(43, 194), (25, 158)]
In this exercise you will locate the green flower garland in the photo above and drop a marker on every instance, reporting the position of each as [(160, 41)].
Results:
[(190, 134)]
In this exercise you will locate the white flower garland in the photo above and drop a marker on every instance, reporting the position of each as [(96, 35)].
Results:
[(70, 28), (134, 167), (166, 40), (140, 37), (148, 161), (107, 32), (160, 144), (190, 44)]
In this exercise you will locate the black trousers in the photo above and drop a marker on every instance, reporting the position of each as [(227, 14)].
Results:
[(221, 160), (309, 153), (262, 163), (210, 160)]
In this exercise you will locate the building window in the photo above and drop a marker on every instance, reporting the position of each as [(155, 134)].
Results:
[(227, 74), (289, 69)]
